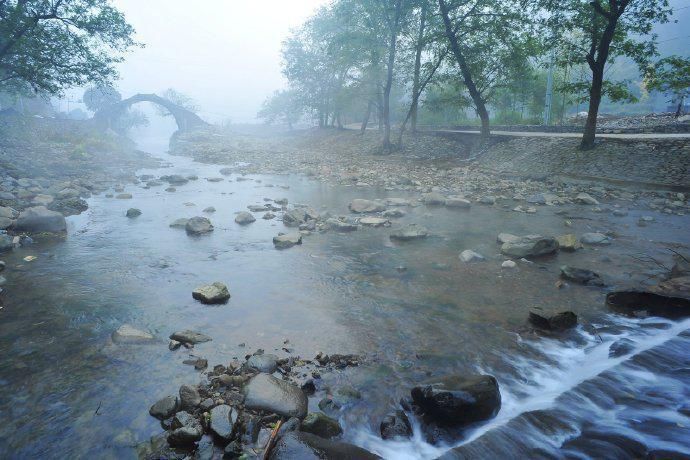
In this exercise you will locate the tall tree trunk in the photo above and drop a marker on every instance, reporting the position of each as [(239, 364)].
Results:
[(476, 96), (417, 67), (679, 110), (365, 121), (593, 111), (379, 111), (392, 44)]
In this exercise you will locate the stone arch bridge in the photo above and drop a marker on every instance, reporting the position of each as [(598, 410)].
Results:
[(186, 119)]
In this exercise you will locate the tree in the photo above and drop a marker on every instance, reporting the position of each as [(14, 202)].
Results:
[(595, 33), (177, 98), (671, 76), (490, 41), (282, 106), (49, 45), (97, 97)]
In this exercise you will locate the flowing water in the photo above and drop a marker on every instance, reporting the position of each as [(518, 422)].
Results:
[(412, 310)]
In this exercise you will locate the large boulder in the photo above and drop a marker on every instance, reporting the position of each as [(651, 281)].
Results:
[(267, 393), (6, 242), (212, 293), (198, 226), (552, 321), (530, 246), (360, 206), (294, 217), (458, 400), (306, 446), (244, 218), (40, 219), (670, 298)]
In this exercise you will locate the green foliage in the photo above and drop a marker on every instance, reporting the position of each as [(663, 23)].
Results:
[(670, 76), (47, 46), (97, 97)]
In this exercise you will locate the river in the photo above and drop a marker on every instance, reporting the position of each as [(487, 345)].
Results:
[(413, 309)]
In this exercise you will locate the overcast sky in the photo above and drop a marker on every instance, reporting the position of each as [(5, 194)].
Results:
[(223, 53)]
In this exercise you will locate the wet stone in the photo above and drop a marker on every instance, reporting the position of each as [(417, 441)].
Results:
[(396, 426), (213, 293), (223, 419), (321, 425), (165, 407), (263, 363), (267, 393)]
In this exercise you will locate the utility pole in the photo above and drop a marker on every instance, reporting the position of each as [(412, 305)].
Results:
[(549, 92)]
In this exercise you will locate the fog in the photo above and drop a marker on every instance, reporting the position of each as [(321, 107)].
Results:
[(225, 54)]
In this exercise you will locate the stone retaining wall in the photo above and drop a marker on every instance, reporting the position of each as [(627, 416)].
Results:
[(678, 128), (652, 161)]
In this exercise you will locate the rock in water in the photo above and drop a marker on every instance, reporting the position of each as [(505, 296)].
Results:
[(189, 397), (458, 202), (212, 293), (396, 426), (179, 223), (321, 425), (595, 238), (198, 226), (294, 217), (185, 436), (586, 198), (165, 408), (581, 276), (410, 232), (39, 219), (287, 240), (458, 400), (530, 246), (556, 322), (263, 363), (373, 221), (670, 298), (360, 206), (568, 243), (267, 393), (470, 256), (190, 337), (507, 238), (6, 242), (223, 419), (244, 218), (433, 198), (306, 446), (133, 212), (129, 334)]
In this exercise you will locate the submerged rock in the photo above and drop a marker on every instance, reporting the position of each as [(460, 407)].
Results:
[(39, 219), (410, 232), (321, 425), (306, 446), (458, 400), (433, 198), (198, 226), (267, 393), (530, 246), (361, 206), (458, 202), (287, 240), (338, 225), (581, 276), (374, 221), (179, 223), (212, 293), (586, 198), (244, 218), (190, 337), (470, 256), (396, 426), (129, 334), (595, 238), (133, 212), (556, 322)]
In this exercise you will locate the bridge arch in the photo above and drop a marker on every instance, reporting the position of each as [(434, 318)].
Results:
[(186, 119)]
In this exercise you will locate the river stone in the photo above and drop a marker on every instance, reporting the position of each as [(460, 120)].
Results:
[(410, 232), (373, 221), (191, 337), (210, 209), (568, 243), (179, 223), (133, 212), (174, 179), (212, 293), (306, 446), (586, 198), (670, 298), (42, 200), (433, 198), (341, 225), (287, 240), (581, 276), (39, 219), (507, 238), (263, 363), (223, 419), (458, 202), (396, 426), (165, 408), (458, 400), (321, 425), (556, 322), (124, 196), (294, 217), (397, 202), (5, 223), (6, 242), (267, 393), (198, 225), (470, 256), (595, 238), (257, 208), (10, 213), (129, 334), (530, 246), (681, 266), (189, 397), (360, 206), (393, 213), (185, 436), (244, 218)]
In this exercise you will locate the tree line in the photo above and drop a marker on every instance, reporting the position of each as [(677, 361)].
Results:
[(354, 59)]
